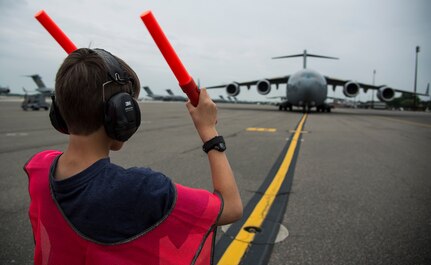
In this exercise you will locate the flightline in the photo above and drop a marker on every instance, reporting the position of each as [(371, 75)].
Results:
[(250, 240), (406, 122)]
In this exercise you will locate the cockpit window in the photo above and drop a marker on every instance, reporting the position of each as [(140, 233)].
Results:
[(308, 75)]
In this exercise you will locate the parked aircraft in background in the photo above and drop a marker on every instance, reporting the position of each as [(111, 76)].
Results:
[(176, 97), (220, 100), (170, 97), (152, 95), (4, 90), (41, 87), (308, 89)]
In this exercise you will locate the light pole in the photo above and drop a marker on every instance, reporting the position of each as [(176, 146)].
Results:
[(416, 77), (372, 91)]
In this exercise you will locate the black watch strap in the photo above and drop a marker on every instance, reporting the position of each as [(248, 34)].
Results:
[(216, 143)]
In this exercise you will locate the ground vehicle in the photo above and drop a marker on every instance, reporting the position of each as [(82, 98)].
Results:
[(34, 102)]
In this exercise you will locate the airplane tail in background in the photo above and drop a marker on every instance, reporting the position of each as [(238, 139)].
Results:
[(428, 90), (148, 90), (170, 92), (305, 55), (38, 80)]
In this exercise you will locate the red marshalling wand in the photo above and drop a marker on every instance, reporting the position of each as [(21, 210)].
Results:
[(55, 31), (185, 81)]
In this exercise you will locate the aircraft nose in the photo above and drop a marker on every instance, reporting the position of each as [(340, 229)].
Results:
[(307, 88)]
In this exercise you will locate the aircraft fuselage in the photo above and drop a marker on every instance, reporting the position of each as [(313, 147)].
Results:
[(306, 88)]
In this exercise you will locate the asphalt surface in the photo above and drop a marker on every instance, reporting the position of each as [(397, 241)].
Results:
[(361, 192)]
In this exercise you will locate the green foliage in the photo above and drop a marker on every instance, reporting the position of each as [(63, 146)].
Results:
[(405, 101)]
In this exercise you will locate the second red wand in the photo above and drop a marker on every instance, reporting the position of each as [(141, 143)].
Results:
[(185, 81)]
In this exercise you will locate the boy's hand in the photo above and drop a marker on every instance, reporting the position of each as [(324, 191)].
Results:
[(204, 116)]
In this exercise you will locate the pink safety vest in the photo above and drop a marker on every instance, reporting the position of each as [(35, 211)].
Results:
[(186, 236)]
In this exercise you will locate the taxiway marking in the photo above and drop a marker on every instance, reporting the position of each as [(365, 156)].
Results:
[(242, 241), (16, 134), (253, 129)]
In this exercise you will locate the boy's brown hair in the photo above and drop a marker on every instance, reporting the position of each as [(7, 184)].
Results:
[(79, 90)]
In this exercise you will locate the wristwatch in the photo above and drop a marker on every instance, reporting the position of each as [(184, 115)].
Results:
[(216, 143)]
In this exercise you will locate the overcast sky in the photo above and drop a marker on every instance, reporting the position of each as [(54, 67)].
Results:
[(223, 41)]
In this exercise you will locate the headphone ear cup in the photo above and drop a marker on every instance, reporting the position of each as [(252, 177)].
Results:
[(56, 119), (122, 116)]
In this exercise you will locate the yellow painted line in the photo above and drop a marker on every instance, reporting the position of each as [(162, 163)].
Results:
[(253, 129), (407, 122), (294, 131), (240, 244)]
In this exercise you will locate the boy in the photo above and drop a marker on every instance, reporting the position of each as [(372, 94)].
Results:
[(86, 210)]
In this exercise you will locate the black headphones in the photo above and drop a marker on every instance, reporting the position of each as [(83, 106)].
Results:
[(122, 115)]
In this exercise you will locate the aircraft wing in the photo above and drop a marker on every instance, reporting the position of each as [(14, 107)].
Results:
[(365, 87), (340, 82), (274, 80)]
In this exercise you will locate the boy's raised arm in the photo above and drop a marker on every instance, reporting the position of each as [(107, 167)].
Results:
[(204, 117)]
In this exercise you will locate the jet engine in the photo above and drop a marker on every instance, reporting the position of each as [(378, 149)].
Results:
[(351, 89), (232, 89), (385, 94), (263, 87)]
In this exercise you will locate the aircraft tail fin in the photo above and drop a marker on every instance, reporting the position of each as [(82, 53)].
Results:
[(170, 92), (305, 55), (148, 90), (428, 90), (38, 80)]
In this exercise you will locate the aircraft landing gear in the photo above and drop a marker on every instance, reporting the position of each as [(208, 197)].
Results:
[(323, 108), (285, 106)]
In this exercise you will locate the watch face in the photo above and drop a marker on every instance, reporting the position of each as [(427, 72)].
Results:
[(222, 146)]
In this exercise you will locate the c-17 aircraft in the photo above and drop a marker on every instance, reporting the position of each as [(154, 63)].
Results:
[(4, 90), (176, 97), (309, 89), (170, 97), (41, 87)]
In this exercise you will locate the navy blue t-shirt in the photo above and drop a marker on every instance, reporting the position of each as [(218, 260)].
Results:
[(109, 204)]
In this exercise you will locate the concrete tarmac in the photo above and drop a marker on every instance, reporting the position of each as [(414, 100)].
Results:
[(361, 191)]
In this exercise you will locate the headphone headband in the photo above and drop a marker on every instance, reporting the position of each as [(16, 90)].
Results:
[(115, 71)]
